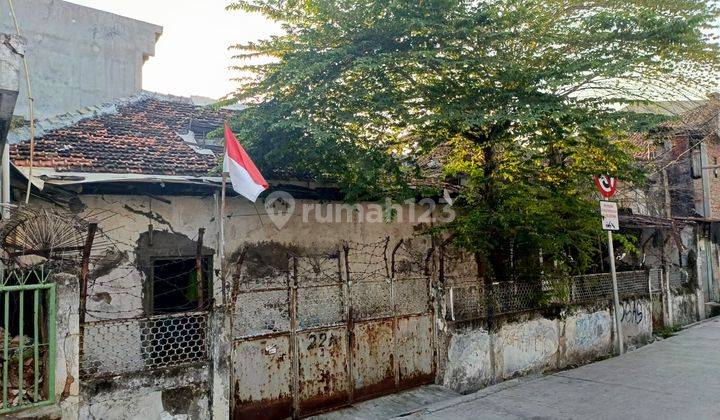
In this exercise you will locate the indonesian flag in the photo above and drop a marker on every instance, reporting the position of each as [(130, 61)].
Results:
[(244, 175)]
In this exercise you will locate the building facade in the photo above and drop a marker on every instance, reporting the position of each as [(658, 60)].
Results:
[(78, 56)]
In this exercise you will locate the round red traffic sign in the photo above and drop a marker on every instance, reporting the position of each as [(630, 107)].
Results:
[(606, 184)]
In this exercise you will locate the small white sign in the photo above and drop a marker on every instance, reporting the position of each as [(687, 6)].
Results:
[(610, 218)]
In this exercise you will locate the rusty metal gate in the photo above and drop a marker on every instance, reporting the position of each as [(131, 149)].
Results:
[(321, 331)]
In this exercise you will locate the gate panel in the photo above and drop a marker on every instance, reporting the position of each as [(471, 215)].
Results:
[(323, 369), (262, 312), (262, 370), (27, 339), (415, 355), (331, 329), (373, 359)]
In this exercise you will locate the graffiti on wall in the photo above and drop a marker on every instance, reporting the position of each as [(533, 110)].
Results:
[(632, 312)]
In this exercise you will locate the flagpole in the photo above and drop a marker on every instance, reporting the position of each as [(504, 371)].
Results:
[(221, 245), (221, 250)]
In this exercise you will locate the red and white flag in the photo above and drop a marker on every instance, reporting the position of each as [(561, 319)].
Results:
[(244, 175)]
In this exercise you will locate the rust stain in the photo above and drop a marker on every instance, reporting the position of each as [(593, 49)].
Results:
[(263, 409), (365, 359), (416, 380), (322, 402), (385, 386)]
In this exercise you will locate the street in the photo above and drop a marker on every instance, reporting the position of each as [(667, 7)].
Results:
[(669, 379)]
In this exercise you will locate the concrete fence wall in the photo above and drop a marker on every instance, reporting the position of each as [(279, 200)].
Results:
[(523, 337), (532, 343)]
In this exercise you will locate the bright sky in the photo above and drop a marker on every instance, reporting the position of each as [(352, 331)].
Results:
[(191, 57)]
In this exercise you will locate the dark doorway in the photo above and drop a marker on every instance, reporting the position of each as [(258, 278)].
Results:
[(175, 286)]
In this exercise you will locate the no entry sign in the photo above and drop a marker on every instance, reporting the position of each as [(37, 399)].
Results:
[(606, 184)]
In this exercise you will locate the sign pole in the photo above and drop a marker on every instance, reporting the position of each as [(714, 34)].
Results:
[(616, 297), (607, 187)]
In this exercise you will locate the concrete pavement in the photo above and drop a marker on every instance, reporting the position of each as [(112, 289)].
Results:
[(676, 378)]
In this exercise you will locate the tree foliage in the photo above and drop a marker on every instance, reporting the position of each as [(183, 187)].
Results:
[(520, 98)]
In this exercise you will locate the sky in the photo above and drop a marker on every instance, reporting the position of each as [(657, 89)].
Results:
[(192, 56)]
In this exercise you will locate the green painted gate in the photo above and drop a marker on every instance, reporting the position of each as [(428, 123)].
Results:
[(27, 308)]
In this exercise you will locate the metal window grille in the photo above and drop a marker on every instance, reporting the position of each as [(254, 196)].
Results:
[(655, 280), (28, 339), (132, 345)]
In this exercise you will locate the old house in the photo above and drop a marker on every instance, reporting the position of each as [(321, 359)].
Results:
[(114, 302), (141, 168), (318, 303), (683, 190)]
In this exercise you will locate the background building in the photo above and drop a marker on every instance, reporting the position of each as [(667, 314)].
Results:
[(78, 56)]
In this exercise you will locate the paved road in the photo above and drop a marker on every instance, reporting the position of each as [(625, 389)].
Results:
[(677, 378)]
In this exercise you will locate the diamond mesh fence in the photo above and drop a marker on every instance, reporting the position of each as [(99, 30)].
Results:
[(469, 299), (133, 345), (599, 286), (679, 277)]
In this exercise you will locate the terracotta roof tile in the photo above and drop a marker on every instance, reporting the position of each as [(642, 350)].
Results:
[(141, 137)]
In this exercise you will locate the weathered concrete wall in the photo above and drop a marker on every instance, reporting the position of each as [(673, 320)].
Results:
[(67, 330), (470, 361), (117, 291), (12, 49), (636, 322), (684, 309), (526, 347), (78, 56), (531, 343), (585, 335), (469, 357), (174, 394)]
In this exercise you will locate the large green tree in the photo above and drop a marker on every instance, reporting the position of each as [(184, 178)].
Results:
[(520, 98)]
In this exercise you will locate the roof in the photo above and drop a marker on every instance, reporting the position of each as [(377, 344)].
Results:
[(689, 115), (669, 108), (699, 119), (145, 134)]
